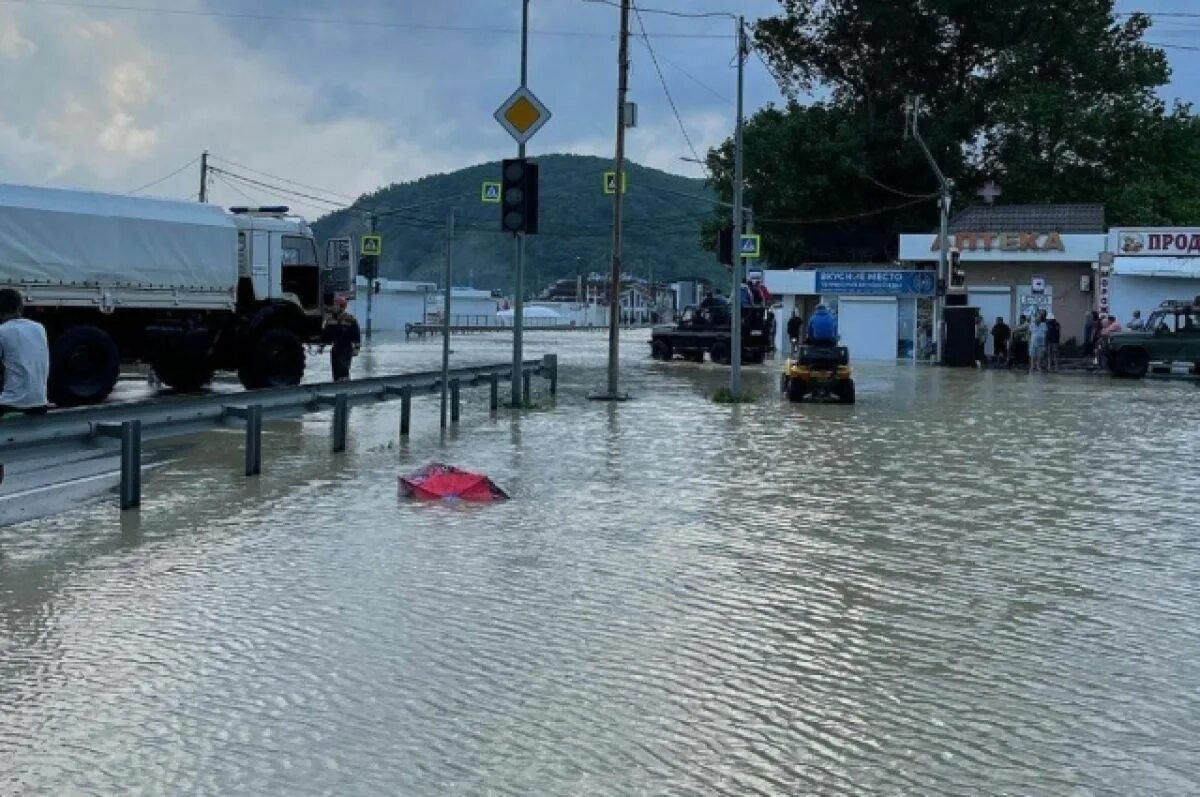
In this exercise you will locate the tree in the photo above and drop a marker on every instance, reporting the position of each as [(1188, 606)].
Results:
[(1054, 98)]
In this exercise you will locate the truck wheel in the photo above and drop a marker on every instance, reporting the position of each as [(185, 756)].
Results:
[(796, 389), (753, 357), (276, 361), (84, 366), (845, 392), (1132, 363), (184, 376), (720, 353), (661, 350)]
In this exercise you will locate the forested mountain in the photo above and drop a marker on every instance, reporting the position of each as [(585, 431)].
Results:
[(663, 217)]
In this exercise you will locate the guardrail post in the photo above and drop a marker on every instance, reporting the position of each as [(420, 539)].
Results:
[(455, 404), (525, 379), (130, 435), (495, 390), (253, 415), (405, 410), (550, 369), (341, 422)]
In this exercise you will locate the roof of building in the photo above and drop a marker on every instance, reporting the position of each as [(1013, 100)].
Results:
[(1030, 218)]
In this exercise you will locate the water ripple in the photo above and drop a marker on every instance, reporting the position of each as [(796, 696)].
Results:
[(967, 583)]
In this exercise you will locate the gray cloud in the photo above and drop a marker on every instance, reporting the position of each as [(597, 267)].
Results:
[(113, 100)]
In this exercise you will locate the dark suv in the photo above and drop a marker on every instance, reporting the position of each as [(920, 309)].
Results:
[(1171, 335)]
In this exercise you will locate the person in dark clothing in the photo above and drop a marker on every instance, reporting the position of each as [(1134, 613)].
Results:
[(1091, 323), (1001, 335), (342, 333), (1053, 341), (794, 325), (708, 301)]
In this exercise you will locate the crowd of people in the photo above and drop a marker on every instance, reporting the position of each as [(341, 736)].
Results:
[(1036, 342)]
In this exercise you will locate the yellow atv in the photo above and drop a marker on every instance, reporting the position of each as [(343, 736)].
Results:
[(819, 373)]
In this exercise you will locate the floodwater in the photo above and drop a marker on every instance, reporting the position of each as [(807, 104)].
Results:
[(965, 584)]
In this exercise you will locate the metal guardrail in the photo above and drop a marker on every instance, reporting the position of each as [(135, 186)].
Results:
[(135, 422), (421, 330)]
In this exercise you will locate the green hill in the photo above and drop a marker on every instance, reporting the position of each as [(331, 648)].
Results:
[(662, 228)]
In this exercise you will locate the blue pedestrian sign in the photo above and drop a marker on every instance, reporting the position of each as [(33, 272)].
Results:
[(751, 246), (490, 194)]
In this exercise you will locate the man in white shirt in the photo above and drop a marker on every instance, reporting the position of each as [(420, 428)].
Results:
[(24, 358)]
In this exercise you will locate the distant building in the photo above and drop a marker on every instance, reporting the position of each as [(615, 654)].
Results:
[(394, 304)]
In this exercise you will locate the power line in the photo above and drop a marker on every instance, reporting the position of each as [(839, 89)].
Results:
[(362, 23), (187, 165), (671, 13), (1191, 47), (896, 191), (229, 184), (1169, 14), (779, 81), (278, 189), (695, 79), (270, 176), (666, 90), (832, 219)]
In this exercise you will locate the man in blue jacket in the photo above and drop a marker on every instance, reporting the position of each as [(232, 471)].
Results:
[(822, 328)]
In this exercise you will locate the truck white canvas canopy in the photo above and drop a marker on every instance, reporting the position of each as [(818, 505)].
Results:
[(51, 236)]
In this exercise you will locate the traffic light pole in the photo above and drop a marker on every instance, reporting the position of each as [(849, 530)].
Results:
[(518, 400), (739, 263), (939, 299), (373, 221)]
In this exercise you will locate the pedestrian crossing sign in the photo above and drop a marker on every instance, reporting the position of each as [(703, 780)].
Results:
[(491, 193), (610, 182), (372, 245), (751, 246)]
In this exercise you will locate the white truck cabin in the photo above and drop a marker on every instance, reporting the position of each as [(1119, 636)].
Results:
[(277, 259)]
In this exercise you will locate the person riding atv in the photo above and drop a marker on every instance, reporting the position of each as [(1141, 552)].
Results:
[(819, 368)]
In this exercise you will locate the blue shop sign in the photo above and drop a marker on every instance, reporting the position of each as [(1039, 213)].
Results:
[(876, 283)]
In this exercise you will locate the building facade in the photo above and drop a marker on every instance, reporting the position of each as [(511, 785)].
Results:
[(1019, 259), (877, 308), (1148, 266)]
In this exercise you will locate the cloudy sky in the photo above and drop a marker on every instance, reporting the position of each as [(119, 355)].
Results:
[(114, 94)]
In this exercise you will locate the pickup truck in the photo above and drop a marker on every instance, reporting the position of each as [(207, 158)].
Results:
[(708, 329)]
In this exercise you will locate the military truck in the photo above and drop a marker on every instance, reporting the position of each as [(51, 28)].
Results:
[(708, 329), (184, 287), (1171, 335)]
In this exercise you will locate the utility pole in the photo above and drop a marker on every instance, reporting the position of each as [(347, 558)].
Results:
[(614, 292), (372, 220), (518, 400), (739, 264), (447, 279), (913, 109), (204, 176)]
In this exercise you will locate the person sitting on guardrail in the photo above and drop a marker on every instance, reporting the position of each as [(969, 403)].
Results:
[(342, 333), (822, 328)]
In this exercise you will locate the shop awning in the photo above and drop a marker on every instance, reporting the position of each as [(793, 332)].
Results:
[(1180, 267)]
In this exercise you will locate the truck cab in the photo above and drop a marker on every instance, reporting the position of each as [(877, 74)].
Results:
[(278, 264)]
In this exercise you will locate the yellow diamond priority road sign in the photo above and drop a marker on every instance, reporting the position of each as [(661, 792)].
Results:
[(522, 115)]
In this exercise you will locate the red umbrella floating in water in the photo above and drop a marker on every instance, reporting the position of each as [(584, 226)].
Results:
[(437, 481)]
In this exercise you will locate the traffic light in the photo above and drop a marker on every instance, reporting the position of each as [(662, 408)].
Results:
[(368, 267), (958, 277), (519, 192), (725, 245)]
